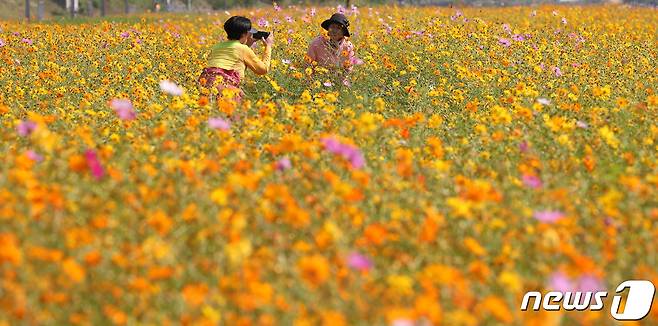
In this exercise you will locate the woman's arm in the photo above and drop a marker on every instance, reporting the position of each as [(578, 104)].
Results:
[(258, 66), (314, 49)]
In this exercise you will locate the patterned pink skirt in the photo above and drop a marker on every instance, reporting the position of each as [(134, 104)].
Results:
[(230, 79)]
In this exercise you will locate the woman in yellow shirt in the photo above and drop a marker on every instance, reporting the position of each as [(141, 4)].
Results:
[(229, 59)]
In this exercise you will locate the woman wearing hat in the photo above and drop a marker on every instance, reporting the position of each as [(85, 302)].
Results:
[(335, 50)]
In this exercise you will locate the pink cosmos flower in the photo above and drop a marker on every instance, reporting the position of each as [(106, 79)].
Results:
[(355, 61), (219, 123), (355, 157), (34, 156), (504, 42), (94, 164), (123, 108), (283, 164), (557, 71), (523, 146), (262, 22), (347, 83), (581, 124), (532, 181), (125, 34), (507, 29), (403, 322), (456, 15), (27, 41), (590, 283), (2, 43), (26, 127), (348, 152), (331, 144), (170, 88), (359, 262), (548, 216), (559, 282)]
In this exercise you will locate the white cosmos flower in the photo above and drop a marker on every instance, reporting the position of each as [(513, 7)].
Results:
[(170, 88), (544, 101)]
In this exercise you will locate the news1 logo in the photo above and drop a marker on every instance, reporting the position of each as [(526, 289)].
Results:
[(638, 302)]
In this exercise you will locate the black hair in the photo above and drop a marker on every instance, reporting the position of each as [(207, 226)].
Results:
[(236, 26)]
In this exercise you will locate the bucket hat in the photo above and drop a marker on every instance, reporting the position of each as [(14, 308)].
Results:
[(338, 19)]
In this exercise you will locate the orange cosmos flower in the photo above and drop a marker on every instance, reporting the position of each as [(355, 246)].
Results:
[(195, 294), (314, 269), (9, 250)]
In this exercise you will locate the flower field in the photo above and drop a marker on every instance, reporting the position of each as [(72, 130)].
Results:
[(472, 156)]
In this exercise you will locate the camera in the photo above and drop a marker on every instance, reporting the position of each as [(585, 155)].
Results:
[(261, 35)]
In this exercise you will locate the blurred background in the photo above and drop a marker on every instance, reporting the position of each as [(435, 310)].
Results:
[(49, 9)]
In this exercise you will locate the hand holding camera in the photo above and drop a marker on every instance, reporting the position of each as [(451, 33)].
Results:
[(266, 37), (269, 41), (261, 35)]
